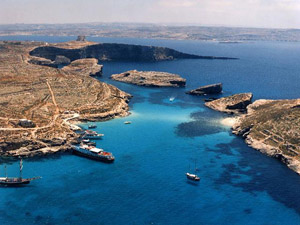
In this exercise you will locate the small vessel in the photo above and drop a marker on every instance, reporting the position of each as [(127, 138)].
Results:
[(88, 142), (92, 126), (90, 134), (127, 122), (192, 176), (92, 152), (171, 99), (16, 181)]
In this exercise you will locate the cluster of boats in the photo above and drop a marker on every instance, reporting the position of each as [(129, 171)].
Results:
[(88, 148)]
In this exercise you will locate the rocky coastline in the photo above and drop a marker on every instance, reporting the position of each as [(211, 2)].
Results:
[(269, 126), (113, 52), (50, 98)]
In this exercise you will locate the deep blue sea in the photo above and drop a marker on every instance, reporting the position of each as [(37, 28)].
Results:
[(146, 184)]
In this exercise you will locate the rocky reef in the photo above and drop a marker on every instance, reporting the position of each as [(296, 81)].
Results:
[(150, 78), (112, 52), (233, 104), (208, 89), (52, 99), (272, 127)]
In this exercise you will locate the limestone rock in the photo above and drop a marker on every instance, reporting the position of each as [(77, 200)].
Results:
[(88, 67), (232, 104), (272, 127), (208, 89), (150, 78)]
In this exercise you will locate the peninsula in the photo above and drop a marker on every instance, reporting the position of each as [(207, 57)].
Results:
[(112, 52), (37, 103)]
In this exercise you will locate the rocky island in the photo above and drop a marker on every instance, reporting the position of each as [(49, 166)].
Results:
[(207, 90), (150, 78), (270, 126)]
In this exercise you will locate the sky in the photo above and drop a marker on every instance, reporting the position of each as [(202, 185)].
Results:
[(246, 13)]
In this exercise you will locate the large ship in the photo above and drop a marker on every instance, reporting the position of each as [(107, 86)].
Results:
[(93, 153), (16, 181)]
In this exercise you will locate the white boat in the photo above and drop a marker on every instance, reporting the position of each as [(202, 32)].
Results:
[(192, 176), (90, 134), (171, 99), (127, 122)]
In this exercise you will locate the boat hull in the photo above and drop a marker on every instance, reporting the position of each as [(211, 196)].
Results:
[(192, 177), (14, 183), (86, 154)]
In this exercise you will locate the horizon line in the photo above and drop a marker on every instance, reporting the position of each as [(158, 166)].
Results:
[(158, 25)]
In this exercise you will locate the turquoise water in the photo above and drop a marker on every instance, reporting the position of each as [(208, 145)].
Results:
[(146, 184)]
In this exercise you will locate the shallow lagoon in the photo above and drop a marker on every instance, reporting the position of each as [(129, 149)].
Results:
[(146, 184)]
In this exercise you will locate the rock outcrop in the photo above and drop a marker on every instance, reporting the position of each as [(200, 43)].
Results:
[(208, 89), (234, 104), (89, 67), (60, 59), (150, 78), (41, 94), (113, 52), (272, 127)]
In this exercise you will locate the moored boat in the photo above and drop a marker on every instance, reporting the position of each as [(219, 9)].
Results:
[(16, 181), (193, 177), (92, 126), (93, 153), (90, 134), (127, 122)]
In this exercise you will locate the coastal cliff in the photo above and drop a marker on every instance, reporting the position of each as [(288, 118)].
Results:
[(50, 99), (272, 127), (150, 78), (113, 52)]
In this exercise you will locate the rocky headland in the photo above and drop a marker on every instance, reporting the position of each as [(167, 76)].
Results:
[(207, 90), (233, 104), (270, 126), (150, 78), (38, 104), (112, 52)]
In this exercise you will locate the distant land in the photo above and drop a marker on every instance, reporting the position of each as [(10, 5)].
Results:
[(154, 31)]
